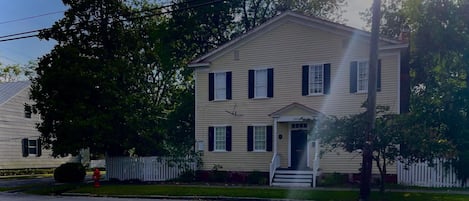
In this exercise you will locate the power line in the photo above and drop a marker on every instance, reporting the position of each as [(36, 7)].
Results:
[(31, 17), (144, 16)]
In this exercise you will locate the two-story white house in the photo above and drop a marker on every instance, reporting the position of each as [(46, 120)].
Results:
[(20, 146), (254, 93)]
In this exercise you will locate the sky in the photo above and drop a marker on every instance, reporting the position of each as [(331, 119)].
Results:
[(14, 12)]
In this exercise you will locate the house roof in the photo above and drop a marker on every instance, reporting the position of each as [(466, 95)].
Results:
[(9, 90), (300, 18), (293, 106)]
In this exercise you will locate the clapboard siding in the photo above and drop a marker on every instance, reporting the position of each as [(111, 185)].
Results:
[(285, 48), (14, 127)]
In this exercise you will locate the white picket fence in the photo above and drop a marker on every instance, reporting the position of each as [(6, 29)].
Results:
[(421, 174), (152, 168)]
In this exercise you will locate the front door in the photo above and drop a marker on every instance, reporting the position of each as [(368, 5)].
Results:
[(298, 149)]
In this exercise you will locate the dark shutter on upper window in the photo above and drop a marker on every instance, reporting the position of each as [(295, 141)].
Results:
[(327, 78), (211, 81), (251, 84), (24, 145), (353, 77), (210, 138), (228, 138), (269, 138), (250, 138), (39, 148), (228, 85), (270, 82), (378, 78), (305, 80)]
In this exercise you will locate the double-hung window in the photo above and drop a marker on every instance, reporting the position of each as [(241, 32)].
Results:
[(260, 135), (31, 147), (260, 138), (219, 138), (316, 79), (362, 76), (219, 85), (359, 75), (261, 83)]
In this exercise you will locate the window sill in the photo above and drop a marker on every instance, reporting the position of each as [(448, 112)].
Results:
[(315, 95), (261, 98), (259, 151), (220, 100), (219, 151)]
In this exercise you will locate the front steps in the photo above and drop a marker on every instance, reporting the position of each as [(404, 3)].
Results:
[(293, 178)]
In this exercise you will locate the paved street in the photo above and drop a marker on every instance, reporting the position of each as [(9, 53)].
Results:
[(25, 197)]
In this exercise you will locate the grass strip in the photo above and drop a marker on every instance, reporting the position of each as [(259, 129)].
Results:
[(257, 192)]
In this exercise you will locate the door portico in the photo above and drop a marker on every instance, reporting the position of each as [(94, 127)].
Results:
[(294, 121)]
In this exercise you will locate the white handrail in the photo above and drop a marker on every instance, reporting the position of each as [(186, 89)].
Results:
[(274, 164)]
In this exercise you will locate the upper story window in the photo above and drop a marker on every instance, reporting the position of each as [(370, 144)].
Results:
[(219, 86), (362, 76), (261, 83), (316, 79), (219, 138), (359, 76), (28, 110)]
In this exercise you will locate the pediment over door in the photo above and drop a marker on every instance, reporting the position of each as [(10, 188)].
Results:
[(296, 112)]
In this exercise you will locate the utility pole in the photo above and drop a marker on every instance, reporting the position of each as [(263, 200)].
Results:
[(367, 160)]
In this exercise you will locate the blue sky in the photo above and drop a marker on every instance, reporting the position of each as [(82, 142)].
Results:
[(24, 50)]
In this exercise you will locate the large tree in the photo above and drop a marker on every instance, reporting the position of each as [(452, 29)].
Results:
[(93, 89), (439, 67)]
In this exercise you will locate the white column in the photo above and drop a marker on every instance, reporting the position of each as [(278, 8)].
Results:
[(275, 136)]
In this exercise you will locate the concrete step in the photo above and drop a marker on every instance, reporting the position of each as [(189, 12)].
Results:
[(296, 172), (281, 184), (289, 180), (294, 176)]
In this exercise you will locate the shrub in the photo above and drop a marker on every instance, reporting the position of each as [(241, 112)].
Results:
[(69, 173), (334, 179), (257, 177)]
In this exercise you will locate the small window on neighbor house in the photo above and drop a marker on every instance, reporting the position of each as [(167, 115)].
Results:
[(316, 78), (31, 147), (28, 111), (220, 86), (299, 126)]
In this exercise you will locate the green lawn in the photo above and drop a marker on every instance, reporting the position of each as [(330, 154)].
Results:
[(258, 192)]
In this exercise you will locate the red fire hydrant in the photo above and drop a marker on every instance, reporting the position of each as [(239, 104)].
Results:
[(96, 177)]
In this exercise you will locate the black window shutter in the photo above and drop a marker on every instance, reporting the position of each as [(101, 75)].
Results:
[(270, 82), (210, 138), (353, 77), (378, 78), (39, 148), (251, 84), (250, 138), (228, 138), (24, 145), (327, 78), (269, 138), (305, 80), (211, 86), (228, 85)]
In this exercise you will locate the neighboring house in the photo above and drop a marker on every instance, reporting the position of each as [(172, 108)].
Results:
[(20, 145), (258, 96)]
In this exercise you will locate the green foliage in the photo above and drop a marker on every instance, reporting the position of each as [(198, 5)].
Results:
[(70, 173), (334, 179), (258, 178)]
